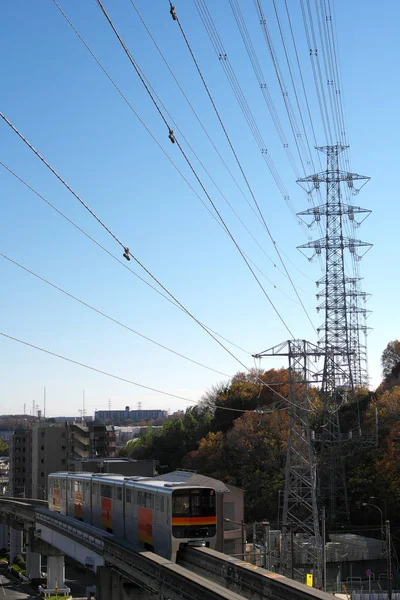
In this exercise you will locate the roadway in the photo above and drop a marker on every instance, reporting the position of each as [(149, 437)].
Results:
[(77, 578), (11, 589)]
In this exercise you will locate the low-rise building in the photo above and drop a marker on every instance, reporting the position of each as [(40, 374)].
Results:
[(121, 416), (120, 466)]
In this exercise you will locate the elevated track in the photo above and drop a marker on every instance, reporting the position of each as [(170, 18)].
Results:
[(248, 580), (200, 573)]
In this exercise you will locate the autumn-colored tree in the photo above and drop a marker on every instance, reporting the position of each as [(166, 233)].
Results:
[(247, 391), (208, 459), (390, 357), (251, 456)]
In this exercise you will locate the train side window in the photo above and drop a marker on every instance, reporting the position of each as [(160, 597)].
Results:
[(149, 500), (140, 499), (64, 484), (128, 496), (119, 493), (106, 491)]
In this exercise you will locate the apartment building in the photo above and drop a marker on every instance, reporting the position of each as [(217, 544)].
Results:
[(20, 469), (48, 447)]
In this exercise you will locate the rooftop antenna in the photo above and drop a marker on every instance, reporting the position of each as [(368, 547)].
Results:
[(139, 405), (82, 410), (33, 408), (109, 404), (44, 402), (25, 408)]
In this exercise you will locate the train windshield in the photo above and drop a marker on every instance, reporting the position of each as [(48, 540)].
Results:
[(193, 513)]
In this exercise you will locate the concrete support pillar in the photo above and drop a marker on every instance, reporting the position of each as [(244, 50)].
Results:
[(15, 543), (3, 535), (55, 572), (112, 586), (33, 564)]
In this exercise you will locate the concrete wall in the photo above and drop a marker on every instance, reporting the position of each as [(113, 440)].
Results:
[(234, 510)]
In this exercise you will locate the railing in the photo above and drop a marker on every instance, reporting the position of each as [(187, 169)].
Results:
[(82, 532), (61, 591)]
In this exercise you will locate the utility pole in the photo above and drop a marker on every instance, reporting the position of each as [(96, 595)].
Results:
[(389, 559), (344, 362)]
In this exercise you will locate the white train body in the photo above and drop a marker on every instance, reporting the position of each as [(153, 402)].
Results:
[(150, 513)]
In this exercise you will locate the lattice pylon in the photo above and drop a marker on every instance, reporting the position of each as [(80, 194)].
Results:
[(300, 510)]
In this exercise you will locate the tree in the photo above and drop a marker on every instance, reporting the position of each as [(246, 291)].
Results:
[(390, 357)]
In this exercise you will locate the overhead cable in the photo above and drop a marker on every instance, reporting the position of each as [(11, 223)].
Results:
[(122, 263), (174, 140), (175, 17), (172, 162)]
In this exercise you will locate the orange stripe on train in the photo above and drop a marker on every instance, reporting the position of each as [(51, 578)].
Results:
[(194, 520)]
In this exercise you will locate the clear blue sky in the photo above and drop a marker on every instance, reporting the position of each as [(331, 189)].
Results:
[(56, 95)]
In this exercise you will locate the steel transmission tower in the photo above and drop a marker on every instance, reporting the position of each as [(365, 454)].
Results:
[(300, 510), (340, 330), (344, 354)]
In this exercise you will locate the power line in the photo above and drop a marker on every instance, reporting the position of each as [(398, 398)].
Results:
[(135, 383), (241, 99), (123, 264), (112, 319), (207, 134), (175, 18), (183, 308), (189, 103), (106, 373), (172, 162), (127, 253), (175, 140)]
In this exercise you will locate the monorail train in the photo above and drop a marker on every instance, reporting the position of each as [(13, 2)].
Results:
[(150, 513)]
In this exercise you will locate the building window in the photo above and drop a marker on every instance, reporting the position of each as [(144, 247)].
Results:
[(42, 460), (63, 462), (42, 447), (42, 474)]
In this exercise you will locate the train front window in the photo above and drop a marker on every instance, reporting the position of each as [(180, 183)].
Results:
[(193, 503), (193, 513)]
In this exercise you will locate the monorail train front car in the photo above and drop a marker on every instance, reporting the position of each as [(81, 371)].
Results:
[(153, 514)]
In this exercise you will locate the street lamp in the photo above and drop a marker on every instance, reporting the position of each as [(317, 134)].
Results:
[(384, 504), (243, 530)]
